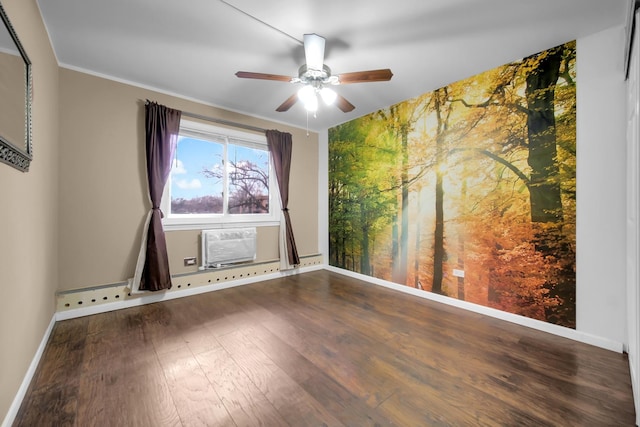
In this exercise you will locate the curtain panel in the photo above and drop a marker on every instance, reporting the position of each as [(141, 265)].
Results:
[(162, 125), (280, 146)]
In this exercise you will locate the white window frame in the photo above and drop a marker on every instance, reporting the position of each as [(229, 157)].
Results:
[(223, 220)]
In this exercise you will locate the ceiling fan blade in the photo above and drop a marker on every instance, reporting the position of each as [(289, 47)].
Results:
[(262, 76), (288, 103), (366, 76), (343, 104), (314, 51)]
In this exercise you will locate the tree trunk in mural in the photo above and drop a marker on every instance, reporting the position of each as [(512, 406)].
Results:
[(438, 237), (365, 264), (399, 123), (463, 196), (395, 249), (544, 187), (438, 234), (416, 260), (404, 235), (400, 231), (333, 237)]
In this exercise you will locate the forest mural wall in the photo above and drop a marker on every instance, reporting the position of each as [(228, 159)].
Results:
[(468, 191)]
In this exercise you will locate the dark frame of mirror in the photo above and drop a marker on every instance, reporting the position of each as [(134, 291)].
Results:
[(11, 153)]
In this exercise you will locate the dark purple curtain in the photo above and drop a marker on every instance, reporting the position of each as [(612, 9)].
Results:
[(162, 126), (280, 146)]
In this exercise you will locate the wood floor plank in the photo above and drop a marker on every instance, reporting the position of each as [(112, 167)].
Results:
[(321, 345), (54, 387), (246, 404), (345, 406), (291, 401), (135, 396), (195, 398), (162, 326), (53, 406), (286, 357), (444, 364), (329, 358), (438, 380), (319, 349), (62, 356), (481, 373)]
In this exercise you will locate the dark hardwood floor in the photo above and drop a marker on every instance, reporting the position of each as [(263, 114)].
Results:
[(319, 349)]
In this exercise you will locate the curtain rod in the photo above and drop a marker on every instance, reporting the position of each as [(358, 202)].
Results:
[(219, 121), (224, 122)]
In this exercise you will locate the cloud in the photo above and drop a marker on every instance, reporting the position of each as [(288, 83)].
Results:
[(178, 168), (189, 185)]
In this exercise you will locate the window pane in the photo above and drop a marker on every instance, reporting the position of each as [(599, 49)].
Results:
[(197, 177), (248, 171)]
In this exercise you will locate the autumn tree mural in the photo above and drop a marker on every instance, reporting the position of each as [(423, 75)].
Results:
[(468, 191)]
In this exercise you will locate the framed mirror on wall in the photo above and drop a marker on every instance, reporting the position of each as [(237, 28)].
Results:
[(15, 98)]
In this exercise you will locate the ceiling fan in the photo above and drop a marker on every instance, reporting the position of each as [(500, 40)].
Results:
[(315, 78)]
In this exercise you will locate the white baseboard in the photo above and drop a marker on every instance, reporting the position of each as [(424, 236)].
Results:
[(509, 317), (635, 387), (149, 298), (26, 381)]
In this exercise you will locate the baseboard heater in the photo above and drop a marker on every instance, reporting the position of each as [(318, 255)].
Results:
[(226, 246)]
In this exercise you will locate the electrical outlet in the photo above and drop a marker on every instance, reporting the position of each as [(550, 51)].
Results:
[(189, 261)]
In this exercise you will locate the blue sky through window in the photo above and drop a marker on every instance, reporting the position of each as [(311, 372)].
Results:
[(192, 158)]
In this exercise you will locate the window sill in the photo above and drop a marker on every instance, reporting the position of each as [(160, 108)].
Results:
[(216, 225)]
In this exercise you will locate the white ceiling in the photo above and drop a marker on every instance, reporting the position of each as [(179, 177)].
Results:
[(193, 48)]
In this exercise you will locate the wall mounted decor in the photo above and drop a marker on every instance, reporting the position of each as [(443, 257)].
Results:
[(468, 191), (15, 98)]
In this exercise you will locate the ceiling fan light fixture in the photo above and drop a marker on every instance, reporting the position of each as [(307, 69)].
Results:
[(328, 95), (312, 105), (307, 94)]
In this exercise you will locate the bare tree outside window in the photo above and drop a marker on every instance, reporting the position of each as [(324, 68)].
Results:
[(248, 175)]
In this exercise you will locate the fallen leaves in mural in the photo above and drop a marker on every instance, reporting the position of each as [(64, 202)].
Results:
[(468, 191)]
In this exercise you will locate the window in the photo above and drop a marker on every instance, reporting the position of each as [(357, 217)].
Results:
[(219, 176)]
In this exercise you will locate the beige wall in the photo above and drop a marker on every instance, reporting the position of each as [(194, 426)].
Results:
[(28, 216), (103, 200)]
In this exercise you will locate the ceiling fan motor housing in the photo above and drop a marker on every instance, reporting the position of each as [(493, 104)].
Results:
[(316, 78)]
